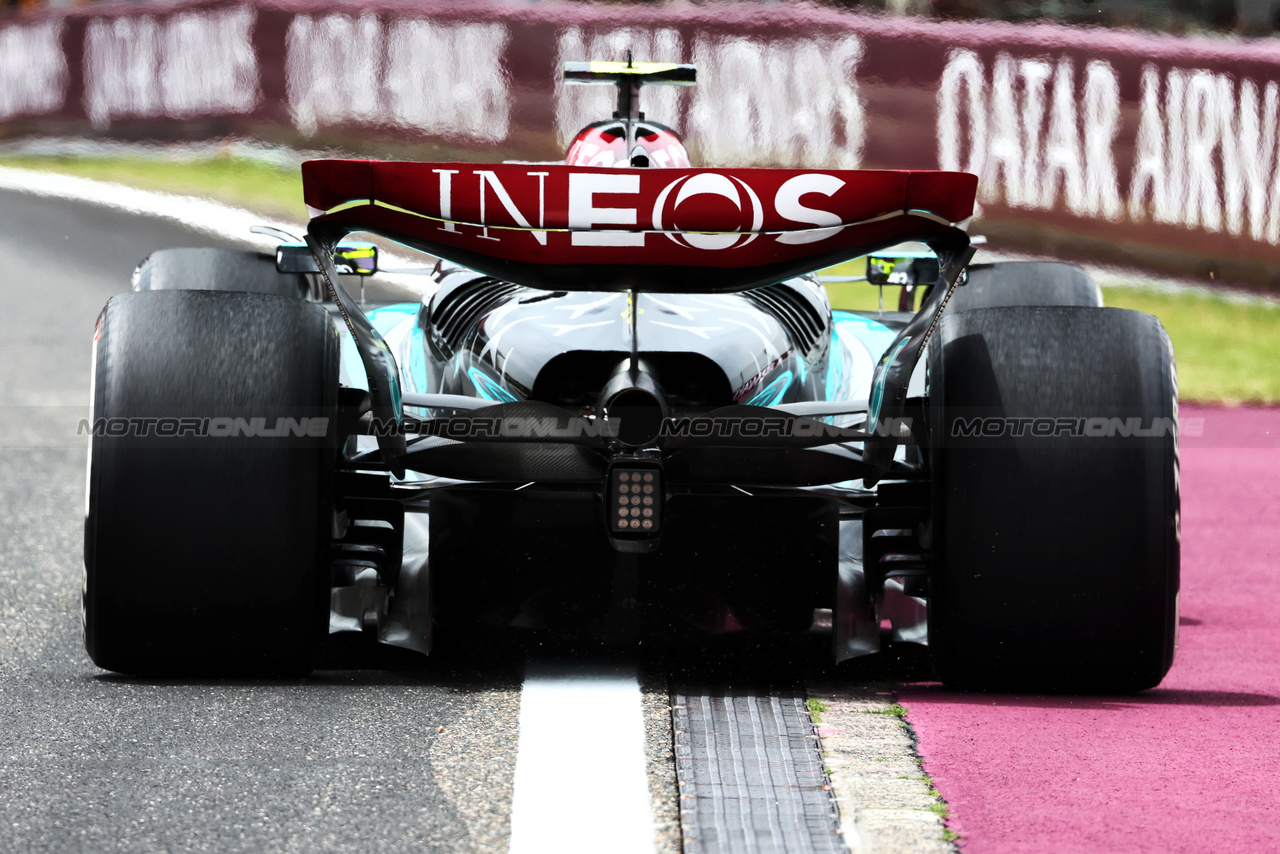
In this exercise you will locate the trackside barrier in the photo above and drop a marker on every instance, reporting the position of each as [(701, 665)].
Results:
[(1125, 147)]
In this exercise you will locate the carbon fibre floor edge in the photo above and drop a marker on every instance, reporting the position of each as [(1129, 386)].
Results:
[(750, 773)]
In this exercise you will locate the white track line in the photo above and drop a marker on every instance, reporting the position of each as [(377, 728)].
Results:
[(191, 212), (198, 214), (580, 783)]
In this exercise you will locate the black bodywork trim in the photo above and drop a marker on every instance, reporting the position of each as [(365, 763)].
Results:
[(899, 361), (379, 365)]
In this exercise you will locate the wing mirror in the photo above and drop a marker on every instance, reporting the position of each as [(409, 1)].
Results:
[(349, 258), (903, 268)]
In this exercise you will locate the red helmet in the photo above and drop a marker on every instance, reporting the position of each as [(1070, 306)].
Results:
[(605, 144)]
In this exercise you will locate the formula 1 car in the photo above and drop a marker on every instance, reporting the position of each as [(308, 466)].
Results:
[(626, 405)]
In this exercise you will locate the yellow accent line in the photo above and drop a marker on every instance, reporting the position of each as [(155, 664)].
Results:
[(354, 203)]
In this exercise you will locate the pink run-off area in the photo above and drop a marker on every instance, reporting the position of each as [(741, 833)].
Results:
[(1193, 765)]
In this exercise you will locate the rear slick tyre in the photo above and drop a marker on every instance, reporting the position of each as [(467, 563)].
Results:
[(1021, 283), (187, 269), (206, 541), (1055, 544)]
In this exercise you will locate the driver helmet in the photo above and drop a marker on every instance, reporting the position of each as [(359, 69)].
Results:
[(605, 144)]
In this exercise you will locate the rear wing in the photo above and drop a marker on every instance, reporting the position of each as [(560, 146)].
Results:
[(676, 230)]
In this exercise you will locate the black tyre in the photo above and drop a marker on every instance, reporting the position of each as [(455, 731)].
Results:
[(216, 270), (1056, 557), (1014, 283), (207, 552)]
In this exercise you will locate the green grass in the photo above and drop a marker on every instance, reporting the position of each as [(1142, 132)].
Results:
[(895, 710), (816, 709), (857, 296), (1227, 352), (938, 807)]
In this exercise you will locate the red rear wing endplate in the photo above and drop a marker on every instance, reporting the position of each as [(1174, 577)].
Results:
[(692, 230)]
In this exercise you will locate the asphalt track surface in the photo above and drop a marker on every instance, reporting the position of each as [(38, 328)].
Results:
[(1192, 766), (374, 761)]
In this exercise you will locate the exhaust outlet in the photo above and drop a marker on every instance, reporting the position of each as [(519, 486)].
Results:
[(633, 405)]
